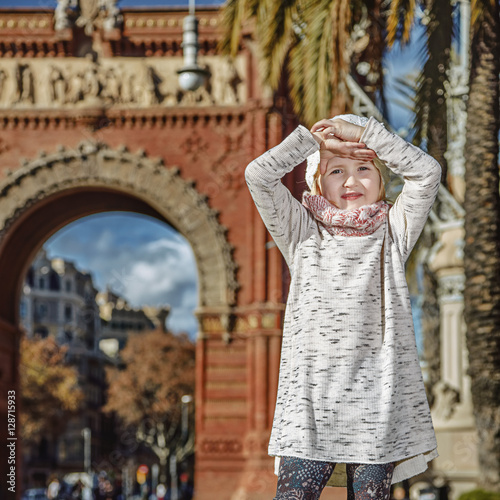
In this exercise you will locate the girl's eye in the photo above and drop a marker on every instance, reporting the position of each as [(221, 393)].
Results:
[(335, 171), (364, 168)]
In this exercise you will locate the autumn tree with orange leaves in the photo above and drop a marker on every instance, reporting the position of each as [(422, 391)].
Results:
[(49, 389), (145, 392)]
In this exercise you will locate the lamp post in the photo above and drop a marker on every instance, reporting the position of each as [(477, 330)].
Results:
[(186, 399), (86, 433), (191, 76)]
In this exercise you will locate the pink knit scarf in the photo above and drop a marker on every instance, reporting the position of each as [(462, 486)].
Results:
[(358, 222)]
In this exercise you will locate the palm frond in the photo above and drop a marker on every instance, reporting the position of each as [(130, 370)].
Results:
[(295, 66), (477, 12), (400, 21), (234, 14), (275, 34), (320, 60)]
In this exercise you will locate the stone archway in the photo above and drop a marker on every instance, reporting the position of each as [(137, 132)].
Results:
[(49, 192), (124, 179)]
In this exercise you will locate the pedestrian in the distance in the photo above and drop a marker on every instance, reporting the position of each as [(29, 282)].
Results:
[(53, 489), (351, 407)]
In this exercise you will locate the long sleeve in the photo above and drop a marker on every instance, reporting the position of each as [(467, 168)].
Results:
[(421, 174), (285, 217)]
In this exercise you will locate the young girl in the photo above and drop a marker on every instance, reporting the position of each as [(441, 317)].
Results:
[(351, 395)]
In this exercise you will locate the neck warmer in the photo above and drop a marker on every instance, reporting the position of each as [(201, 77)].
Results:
[(361, 221)]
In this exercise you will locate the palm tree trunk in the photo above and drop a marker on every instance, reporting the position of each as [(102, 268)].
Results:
[(482, 239)]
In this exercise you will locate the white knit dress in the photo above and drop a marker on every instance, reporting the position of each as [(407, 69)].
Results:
[(350, 384)]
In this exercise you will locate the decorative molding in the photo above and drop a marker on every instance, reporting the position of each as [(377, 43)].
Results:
[(256, 443), (125, 32), (227, 168), (451, 288), (98, 118), (221, 446), (95, 165)]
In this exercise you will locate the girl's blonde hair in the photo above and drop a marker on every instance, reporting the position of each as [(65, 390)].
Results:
[(316, 188)]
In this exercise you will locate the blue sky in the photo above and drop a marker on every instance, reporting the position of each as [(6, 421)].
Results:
[(142, 259)]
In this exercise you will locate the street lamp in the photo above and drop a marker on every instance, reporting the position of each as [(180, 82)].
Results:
[(186, 399), (191, 76)]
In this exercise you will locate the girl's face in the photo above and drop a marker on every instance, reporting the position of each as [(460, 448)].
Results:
[(349, 184)]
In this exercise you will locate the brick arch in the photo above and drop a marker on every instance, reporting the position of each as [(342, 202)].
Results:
[(53, 190)]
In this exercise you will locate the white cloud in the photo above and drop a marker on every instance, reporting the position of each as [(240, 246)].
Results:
[(159, 272), (145, 261)]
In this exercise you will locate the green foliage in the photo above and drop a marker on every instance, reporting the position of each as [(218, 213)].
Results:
[(479, 495)]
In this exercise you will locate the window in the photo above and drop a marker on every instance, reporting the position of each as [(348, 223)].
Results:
[(52, 308), (54, 281), (41, 331), (30, 277), (41, 283), (68, 286), (23, 309), (68, 312), (42, 310)]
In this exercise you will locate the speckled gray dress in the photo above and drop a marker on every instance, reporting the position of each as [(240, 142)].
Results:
[(350, 384)]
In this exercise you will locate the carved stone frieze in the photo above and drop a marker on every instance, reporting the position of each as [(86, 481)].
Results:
[(96, 165), (125, 82)]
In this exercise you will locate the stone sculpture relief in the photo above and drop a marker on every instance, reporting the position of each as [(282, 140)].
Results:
[(123, 82), (61, 14), (58, 85), (25, 85), (3, 77), (87, 14)]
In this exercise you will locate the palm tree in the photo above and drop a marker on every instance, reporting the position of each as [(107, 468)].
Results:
[(317, 42), (482, 236)]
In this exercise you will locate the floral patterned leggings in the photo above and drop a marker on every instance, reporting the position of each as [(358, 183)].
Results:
[(301, 479)]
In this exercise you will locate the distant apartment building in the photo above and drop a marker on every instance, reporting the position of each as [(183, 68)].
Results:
[(119, 320)]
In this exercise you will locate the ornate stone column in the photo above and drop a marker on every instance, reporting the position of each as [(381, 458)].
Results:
[(452, 411)]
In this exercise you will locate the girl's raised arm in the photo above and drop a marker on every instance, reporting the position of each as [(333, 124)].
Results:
[(421, 174), (284, 216)]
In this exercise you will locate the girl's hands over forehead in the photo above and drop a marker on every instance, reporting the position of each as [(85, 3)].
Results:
[(339, 128), (340, 138)]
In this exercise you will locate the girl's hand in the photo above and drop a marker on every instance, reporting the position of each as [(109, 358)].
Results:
[(340, 138), (339, 128)]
